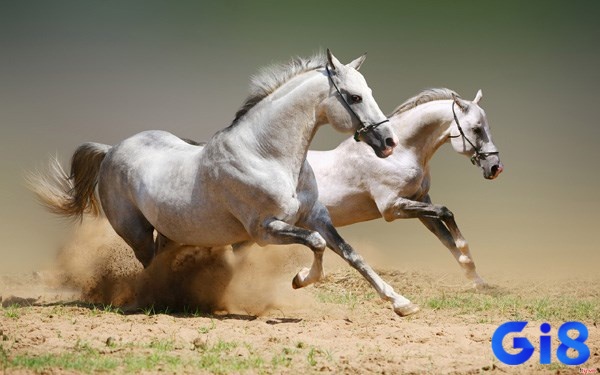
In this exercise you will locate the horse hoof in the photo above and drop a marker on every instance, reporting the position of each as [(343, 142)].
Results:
[(406, 310), (300, 278), (296, 282)]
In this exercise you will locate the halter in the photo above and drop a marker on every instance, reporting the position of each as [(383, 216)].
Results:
[(364, 128), (478, 155)]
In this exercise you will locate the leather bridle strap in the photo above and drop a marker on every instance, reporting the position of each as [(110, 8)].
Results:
[(478, 155), (364, 128)]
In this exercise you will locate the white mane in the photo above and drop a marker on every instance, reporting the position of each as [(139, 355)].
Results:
[(272, 77), (425, 96)]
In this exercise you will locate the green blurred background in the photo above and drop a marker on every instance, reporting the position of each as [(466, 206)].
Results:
[(77, 71)]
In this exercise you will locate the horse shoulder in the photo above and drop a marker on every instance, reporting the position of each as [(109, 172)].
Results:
[(307, 191), (402, 178), (242, 181), (343, 183), (338, 174)]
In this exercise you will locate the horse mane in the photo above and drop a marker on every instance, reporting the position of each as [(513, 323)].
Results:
[(272, 77), (425, 96)]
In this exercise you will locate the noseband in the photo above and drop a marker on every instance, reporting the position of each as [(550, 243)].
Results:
[(364, 128), (478, 155)]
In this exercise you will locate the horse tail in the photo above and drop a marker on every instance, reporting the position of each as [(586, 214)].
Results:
[(75, 194)]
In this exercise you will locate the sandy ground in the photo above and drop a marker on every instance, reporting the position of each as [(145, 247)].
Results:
[(336, 326)]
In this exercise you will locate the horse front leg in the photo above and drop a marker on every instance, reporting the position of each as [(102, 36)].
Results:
[(279, 232), (321, 222), (439, 220), (437, 227)]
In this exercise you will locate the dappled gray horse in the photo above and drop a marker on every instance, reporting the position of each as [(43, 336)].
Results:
[(250, 183), (356, 187)]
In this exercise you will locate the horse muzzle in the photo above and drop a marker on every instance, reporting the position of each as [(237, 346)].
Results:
[(493, 171), (381, 139)]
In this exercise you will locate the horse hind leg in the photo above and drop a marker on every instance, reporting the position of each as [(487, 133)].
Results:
[(138, 233), (124, 215)]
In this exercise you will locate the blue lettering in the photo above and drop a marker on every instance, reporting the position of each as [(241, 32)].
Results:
[(545, 345), (518, 343), (567, 345), (583, 352)]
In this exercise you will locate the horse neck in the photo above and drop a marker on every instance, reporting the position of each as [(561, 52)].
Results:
[(424, 129), (282, 125)]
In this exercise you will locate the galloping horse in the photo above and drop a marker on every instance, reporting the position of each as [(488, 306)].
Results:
[(249, 183), (356, 187)]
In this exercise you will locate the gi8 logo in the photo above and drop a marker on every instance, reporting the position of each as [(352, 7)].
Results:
[(583, 352)]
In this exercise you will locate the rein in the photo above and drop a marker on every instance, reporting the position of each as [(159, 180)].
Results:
[(364, 128), (478, 155)]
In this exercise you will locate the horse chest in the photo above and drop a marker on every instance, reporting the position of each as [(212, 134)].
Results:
[(264, 191), (405, 179), (416, 185)]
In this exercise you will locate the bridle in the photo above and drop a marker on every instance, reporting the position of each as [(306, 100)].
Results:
[(478, 155), (364, 128)]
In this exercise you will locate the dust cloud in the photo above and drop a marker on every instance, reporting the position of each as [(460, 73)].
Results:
[(98, 264)]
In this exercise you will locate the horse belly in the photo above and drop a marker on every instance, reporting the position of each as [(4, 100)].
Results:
[(190, 215), (352, 209), (206, 229)]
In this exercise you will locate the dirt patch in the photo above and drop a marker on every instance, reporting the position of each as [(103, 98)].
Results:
[(258, 324)]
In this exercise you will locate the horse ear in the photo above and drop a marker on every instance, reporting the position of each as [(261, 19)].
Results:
[(478, 97), (356, 63), (460, 103), (333, 62)]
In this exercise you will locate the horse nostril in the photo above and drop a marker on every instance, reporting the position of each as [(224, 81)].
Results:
[(390, 142), (496, 169)]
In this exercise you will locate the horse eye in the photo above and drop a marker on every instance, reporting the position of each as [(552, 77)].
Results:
[(477, 130), (355, 99)]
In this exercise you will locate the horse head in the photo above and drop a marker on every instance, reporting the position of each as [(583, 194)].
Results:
[(472, 136), (351, 106)]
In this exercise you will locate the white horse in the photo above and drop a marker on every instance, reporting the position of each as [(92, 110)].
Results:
[(356, 187), (249, 183)]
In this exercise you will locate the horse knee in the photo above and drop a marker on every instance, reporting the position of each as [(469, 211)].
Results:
[(391, 213), (316, 242), (444, 213)]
